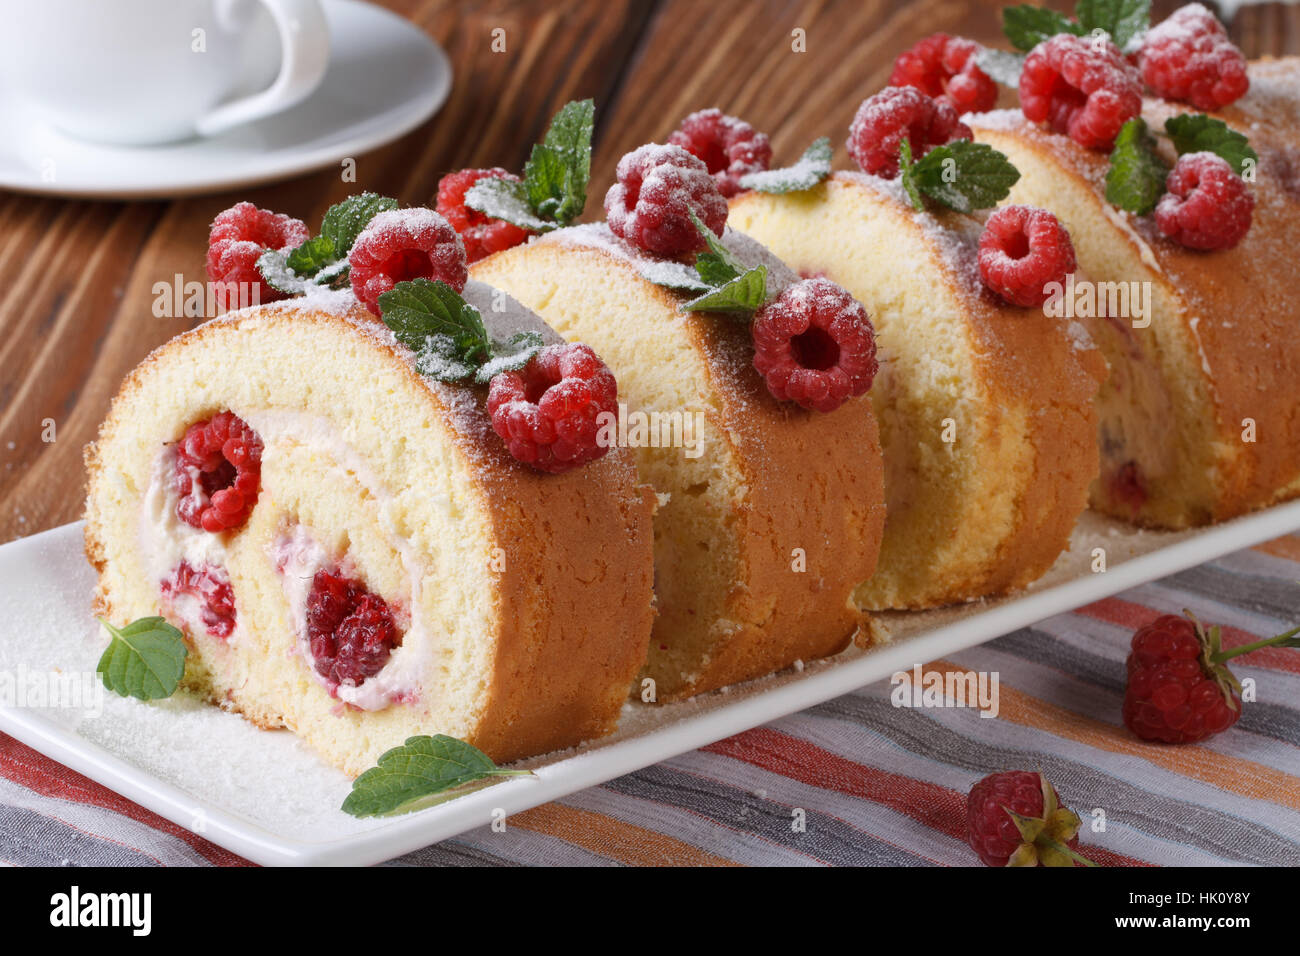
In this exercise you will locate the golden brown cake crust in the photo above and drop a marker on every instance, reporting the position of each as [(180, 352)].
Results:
[(1238, 305), (574, 606), (815, 481)]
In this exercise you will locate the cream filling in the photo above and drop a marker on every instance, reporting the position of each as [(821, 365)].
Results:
[(166, 540)]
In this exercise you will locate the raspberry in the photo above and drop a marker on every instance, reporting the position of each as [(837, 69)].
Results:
[(547, 412), (814, 345), (894, 114), (351, 630), (729, 147), (238, 237), (210, 587), (1206, 205), (1189, 57), (944, 67), (404, 244), (1002, 840), (481, 234), (1080, 86), (1022, 249), (218, 471), (657, 189)]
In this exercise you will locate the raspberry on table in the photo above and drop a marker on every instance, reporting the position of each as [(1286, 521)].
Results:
[(658, 188), (1188, 57), (944, 67), (1021, 250), (218, 473), (998, 837), (210, 586), (404, 244), (727, 145), (548, 412), (351, 631), (814, 345), (897, 113), (481, 234), (237, 239), (1206, 205), (1171, 695), (1082, 87)]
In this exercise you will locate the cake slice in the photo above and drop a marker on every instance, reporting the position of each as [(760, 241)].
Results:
[(770, 514), (1197, 422), (348, 545), (985, 409)]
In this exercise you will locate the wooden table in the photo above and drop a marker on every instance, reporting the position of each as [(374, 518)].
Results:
[(76, 277)]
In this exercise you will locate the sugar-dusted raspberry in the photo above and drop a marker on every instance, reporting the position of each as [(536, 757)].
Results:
[(944, 67), (994, 834), (897, 113), (351, 631), (548, 412), (814, 345), (238, 237), (1188, 57), (404, 244), (481, 234), (1206, 205), (1021, 250), (729, 146), (210, 587), (218, 473), (658, 188), (1082, 87)]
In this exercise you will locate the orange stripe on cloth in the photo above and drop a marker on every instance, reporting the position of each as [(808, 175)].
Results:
[(603, 835), (1231, 774), (1285, 547)]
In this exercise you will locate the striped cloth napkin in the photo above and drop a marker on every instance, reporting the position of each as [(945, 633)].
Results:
[(859, 780)]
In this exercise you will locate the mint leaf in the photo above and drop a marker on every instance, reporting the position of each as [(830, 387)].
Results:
[(1136, 178), (813, 166), (273, 265), (1027, 26), (145, 659), (718, 265), (444, 331), (312, 256), (344, 221), (965, 176), (423, 771), (510, 356), (907, 174), (745, 294), (508, 200), (1124, 20), (559, 169), (1001, 66), (1198, 133)]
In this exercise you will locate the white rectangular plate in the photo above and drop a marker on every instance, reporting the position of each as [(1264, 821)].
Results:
[(264, 795)]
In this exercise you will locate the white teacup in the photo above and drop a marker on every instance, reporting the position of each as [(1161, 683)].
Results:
[(139, 72)]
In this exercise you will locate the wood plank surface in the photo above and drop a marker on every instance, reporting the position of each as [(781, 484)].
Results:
[(76, 277)]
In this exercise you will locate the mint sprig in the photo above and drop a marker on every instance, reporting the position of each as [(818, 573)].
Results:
[(1001, 66), (553, 191), (743, 295), (447, 334), (1136, 178), (813, 167), (961, 175), (1198, 133), (422, 772), (1124, 20), (1026, 26), (322, 260), (145, 659)]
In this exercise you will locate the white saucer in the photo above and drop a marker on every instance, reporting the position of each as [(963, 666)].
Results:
[(385, 78)]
